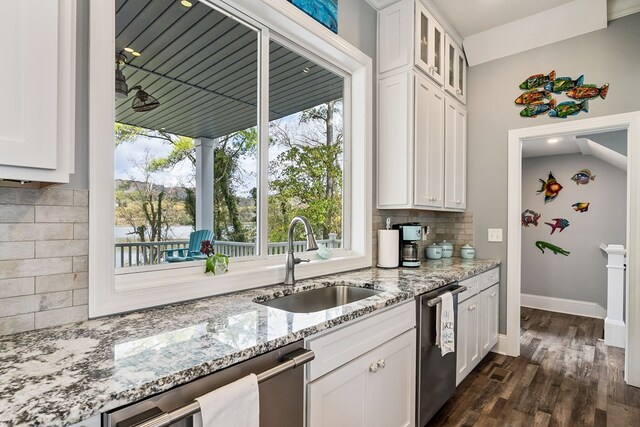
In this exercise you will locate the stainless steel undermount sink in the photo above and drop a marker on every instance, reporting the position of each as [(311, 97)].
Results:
[(320, 298)]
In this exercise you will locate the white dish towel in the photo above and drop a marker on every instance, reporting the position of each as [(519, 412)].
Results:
[(234, 405), (445, 324)]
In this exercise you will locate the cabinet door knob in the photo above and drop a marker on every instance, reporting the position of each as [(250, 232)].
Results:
[(373, 368), (472, 307), (458, 202), (493, 294), (381, 364)]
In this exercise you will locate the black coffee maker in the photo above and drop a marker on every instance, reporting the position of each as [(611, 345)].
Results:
[(410, 234)]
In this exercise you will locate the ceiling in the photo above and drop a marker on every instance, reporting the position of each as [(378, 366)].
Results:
[(610, 147), (474, 16), (202, 67)]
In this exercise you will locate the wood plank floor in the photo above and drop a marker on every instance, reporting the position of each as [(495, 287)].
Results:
[(564, 376)]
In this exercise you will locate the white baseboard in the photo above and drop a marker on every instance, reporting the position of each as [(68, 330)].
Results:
[(615, 333), (501, 347), (561, 305)]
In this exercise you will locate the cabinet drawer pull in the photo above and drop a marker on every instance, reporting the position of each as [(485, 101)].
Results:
[(381, 364), (373, 368)]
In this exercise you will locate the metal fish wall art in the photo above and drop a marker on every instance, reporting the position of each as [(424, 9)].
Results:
[(563, 84), (588, 92), (583, 176), (537, 80), (535, 110), (560, 223), (533, 97), (569, 108), (581, 206), (538, 98), (550, 187)]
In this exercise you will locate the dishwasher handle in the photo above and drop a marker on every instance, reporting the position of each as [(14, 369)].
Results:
[(290, 360), (435, 301)]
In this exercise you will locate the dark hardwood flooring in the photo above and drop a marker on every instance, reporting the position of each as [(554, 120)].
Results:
[(564, 376)]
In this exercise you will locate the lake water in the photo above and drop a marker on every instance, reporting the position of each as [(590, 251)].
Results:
[(177, 232)]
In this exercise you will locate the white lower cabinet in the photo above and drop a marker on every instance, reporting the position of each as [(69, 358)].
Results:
[(468, 338), (478, 312), (376, 389), (364, 372), (490, 314)]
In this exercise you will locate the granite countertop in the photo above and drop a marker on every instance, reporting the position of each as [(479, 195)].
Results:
[(63, 375)]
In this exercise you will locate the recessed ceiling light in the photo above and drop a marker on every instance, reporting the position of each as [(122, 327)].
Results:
[(186, 3), (305, 70), (134, 53), (553, 140), (128, 49)]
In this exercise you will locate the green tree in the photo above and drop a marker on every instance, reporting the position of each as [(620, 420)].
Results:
[(306, 178)]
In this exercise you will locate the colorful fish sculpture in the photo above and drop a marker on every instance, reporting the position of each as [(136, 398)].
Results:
[(580, 206), (569, 108), (536, 110), (537, 80), (542, 245), (530, 217), (583, 176), (560, 223), (588, 92), (533, 97), (551, 188), (563, 84)]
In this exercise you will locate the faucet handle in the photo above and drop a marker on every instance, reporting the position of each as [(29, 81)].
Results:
[(299, 260)]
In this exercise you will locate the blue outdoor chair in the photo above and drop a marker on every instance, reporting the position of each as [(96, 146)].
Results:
[(193, 251)]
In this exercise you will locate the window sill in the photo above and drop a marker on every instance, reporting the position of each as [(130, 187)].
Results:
[(140, 290)]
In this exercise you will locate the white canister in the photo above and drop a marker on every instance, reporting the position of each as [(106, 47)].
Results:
[(447, 249), (434, 251), (467, 252)]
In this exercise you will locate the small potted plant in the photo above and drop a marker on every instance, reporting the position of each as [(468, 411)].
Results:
[(216, 263)]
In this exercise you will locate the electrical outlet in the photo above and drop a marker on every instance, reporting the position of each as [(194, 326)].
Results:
[(495, 234)]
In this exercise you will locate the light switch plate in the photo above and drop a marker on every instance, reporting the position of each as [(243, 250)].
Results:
[(495, 235)]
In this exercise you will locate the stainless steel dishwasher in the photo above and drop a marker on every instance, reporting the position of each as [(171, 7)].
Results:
[(436, 375), (280, 381)]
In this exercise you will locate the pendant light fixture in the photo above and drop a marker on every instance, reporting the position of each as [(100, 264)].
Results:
[(122, 90)]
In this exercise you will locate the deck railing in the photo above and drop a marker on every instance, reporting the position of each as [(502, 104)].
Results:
[(130, 254)]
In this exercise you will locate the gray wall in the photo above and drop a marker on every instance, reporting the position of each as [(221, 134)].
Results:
[(609, 55), (581, 276)]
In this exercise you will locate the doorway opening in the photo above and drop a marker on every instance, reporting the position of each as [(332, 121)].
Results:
[(629, 122)]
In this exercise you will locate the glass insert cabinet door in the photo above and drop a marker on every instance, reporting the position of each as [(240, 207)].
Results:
[(455, 70), (429, 44)]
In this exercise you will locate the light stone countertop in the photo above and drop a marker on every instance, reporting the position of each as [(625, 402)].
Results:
[(62, 375)]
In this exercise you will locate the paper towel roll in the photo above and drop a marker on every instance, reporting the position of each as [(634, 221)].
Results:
[(388, 248)]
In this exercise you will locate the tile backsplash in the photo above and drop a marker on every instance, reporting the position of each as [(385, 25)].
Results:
[(454, 227), (43, 258)]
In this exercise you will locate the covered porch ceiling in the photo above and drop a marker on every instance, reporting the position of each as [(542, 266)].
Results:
[(203, 68)]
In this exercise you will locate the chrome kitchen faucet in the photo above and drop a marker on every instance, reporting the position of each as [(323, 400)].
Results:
[(289, 278)]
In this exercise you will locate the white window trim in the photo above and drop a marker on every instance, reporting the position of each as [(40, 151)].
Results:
[(110, 293)]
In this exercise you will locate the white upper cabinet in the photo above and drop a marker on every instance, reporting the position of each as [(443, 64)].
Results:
[(455, 154), (37, 109), (455, 81), (395, 36), (422, 143), (429, 44), (429, 144)]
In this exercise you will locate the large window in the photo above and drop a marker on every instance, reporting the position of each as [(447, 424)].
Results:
[(223, 127), (187, 141)]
